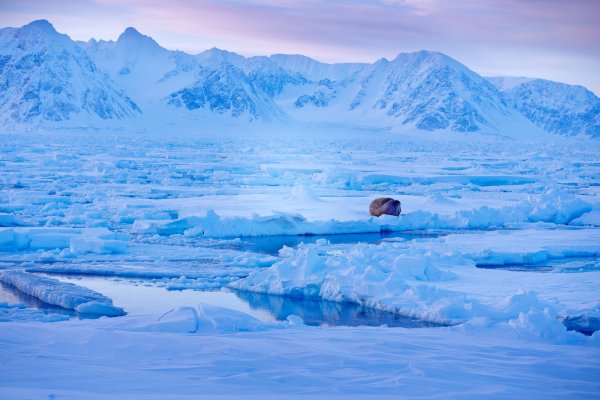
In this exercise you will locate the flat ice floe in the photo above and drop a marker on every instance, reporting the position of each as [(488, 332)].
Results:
[(551, 206)]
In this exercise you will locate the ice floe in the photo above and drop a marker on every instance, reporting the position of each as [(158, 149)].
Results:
[(66, 295)]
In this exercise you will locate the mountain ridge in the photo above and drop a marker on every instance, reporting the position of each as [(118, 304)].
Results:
[(553, 106), (422, 91)]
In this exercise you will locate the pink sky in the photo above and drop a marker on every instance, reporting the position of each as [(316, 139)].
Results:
[(552, 39)]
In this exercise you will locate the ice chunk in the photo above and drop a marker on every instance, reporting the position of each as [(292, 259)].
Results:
[(84, 245), (551, 206), (99, 308), (541, 324), (10, 220), (66, 295), (382, 277), (80, 241), (558, 207), (591, 218)]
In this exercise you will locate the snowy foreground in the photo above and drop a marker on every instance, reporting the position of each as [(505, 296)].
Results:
[(216, 248)]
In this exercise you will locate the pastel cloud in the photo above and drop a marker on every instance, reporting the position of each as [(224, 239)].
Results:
[(548, 38)]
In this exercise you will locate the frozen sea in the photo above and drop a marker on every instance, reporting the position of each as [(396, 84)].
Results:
[(145, 265)]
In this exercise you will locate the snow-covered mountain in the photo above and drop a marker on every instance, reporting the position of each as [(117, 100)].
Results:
[(553, 106), (424, 90), (227, 90), (46, 79), (147, 71), (215, 81)]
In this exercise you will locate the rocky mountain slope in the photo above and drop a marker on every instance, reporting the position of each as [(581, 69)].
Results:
[(47, 79), (553, 106)]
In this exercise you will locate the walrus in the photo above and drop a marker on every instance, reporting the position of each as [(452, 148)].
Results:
[(384, 205)]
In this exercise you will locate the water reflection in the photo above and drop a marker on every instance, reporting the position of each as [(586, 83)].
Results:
[(563, 265), (142, 297), (317, 312)]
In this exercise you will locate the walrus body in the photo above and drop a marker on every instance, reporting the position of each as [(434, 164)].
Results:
[(384, 205)]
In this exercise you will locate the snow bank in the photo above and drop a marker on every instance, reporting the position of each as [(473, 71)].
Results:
[(66, 295), (551, 206)]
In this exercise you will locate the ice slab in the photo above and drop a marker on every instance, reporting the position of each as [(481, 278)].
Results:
[(66, 295), (552, 206)]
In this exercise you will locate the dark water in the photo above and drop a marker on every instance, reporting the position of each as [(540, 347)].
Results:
[(563, 265), (583, 324), (272, 244)]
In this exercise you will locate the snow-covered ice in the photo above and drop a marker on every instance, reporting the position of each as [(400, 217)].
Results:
[(497, 248), (65, 295)]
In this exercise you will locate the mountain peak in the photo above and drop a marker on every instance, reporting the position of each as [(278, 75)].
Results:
[(426, 56), (215, 57), (40, 25), (221, 52), (132, 36), (130, 32), (39, 34)]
